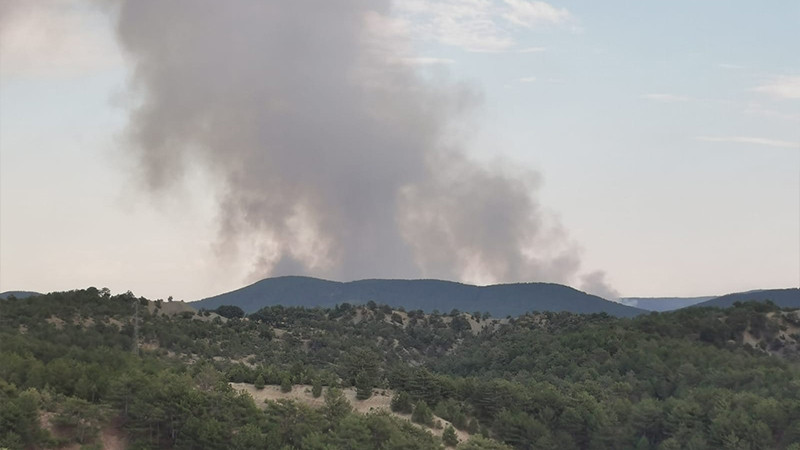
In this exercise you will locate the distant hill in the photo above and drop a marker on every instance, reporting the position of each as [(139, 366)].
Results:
[(785, 298), (17, 294), (662, 304), (499, 300)]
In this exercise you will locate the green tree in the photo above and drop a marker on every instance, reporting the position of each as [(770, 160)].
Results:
[(336, 405), (401, 403), (422, 414), (449, 436), (248, 437), (230, 311), (363, 386), (19, 417), (259, 384), (82, 417), (316, 388), (286, 383)]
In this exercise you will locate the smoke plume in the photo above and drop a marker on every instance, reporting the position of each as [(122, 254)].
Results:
[(337, 158), (595, 283)]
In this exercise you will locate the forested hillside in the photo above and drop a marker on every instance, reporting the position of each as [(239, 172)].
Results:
[(785, 298), (500, 299), (76, 367)]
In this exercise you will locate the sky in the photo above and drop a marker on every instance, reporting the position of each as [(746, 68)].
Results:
[(186, 149)]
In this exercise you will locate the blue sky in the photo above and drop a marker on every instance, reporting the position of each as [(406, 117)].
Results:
[(666, 136)]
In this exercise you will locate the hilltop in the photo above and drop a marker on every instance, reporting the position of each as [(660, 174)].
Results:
[(499, 300), (18, 294), (784, 298)]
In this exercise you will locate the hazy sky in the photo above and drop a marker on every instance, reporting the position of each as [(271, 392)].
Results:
[(186, 148)]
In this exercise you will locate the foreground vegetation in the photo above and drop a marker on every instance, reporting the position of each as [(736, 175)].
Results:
[(76, 363)]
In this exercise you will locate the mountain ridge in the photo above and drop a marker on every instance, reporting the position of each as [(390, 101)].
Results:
[(500, 300), (18, 294), (784, 298)]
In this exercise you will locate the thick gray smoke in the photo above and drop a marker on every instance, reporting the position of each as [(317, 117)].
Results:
[(337, 158), (595, 283)]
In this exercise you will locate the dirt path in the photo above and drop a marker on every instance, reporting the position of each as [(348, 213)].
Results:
[(379, 401)]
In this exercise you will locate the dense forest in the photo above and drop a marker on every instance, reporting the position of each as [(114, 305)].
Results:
[(76, 364)]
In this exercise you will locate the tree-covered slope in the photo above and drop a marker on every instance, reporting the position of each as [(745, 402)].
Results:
[(698, 378), (784, 298), (499, 300), (75, 363)]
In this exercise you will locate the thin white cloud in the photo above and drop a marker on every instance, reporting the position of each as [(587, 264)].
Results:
[(387, 39), (468, 24), (786, 87), (477, 25), (666, 98), (766, 112), (750, 140), (529, 14), (532, 50), (527, 79)]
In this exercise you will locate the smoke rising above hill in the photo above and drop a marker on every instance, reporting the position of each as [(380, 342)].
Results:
[(337, 158)]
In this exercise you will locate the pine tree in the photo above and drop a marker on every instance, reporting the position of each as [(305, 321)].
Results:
[(422, 414), (449, 436), (363, 386), (259, 384), (316, 388), (286, 384), (401, 403), (336, 405)]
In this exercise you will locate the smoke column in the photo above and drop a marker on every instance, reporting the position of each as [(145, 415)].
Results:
[(337, 158)]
